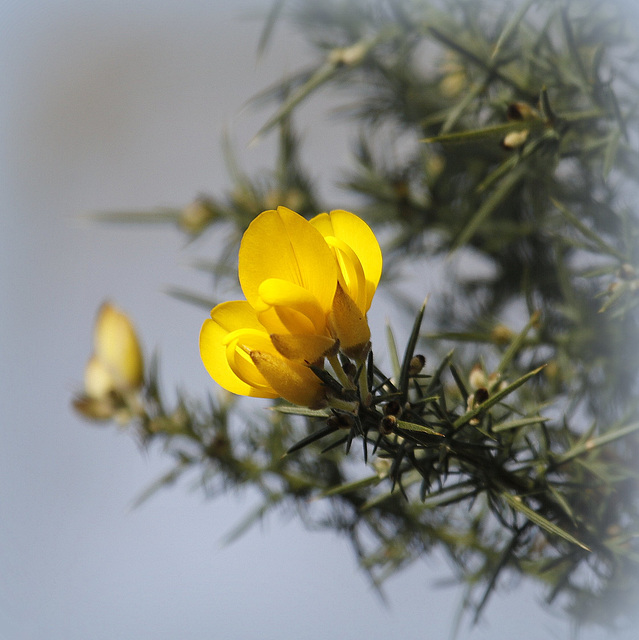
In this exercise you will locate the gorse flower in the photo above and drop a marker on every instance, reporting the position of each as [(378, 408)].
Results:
[(308, 287), (117, 349), (115, 371)]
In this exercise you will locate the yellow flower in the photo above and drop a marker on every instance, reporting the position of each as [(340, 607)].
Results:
[(115, 371), (359, 260), (240, 356), (308, 286), (117, 362)]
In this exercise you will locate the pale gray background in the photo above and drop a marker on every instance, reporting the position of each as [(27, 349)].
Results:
[(119, 105)]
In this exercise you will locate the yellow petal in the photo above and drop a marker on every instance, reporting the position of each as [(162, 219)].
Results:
[(227, 318), (308, 316), (303, 348), (351, 278), (283, 245), (239, 345), (293, 382), (284, 320), (349, 324), (117, 347), (353, 231)]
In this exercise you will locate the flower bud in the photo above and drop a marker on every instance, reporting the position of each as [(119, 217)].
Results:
[(348, 56), (481, 395), (349, 324), (515, 139), (627, 272), (388, 424), (477, 377), (501, 334), (382, 466), (115, 371), (393, 408), (198, 215), (518, 111), (417, 363), (341, 421), (117, 348)]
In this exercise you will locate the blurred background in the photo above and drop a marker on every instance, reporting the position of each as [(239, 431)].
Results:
[(111, 106)]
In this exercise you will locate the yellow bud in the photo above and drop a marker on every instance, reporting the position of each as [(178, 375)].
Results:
[(521, 111), (515, 139), (382, 466), (552, 371), (501, 334), (348, 323), (435, 164), (388, 424), (477, 377), (291, 198), (417, 363), (627, 272), (348, 56), (454, 77), (117, 348), (195, 217), (115, 370), (453, 84)]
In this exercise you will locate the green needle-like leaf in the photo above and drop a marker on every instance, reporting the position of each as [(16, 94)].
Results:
[(519, 505), (313, 437), (510, 28), (478, 136), (517, 424), (349, 487), (392, 351), (293, 409), (269, 25), (498, 195), (411, 426), (516, 344), (587, 232), (410, 352), (593, 443)]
